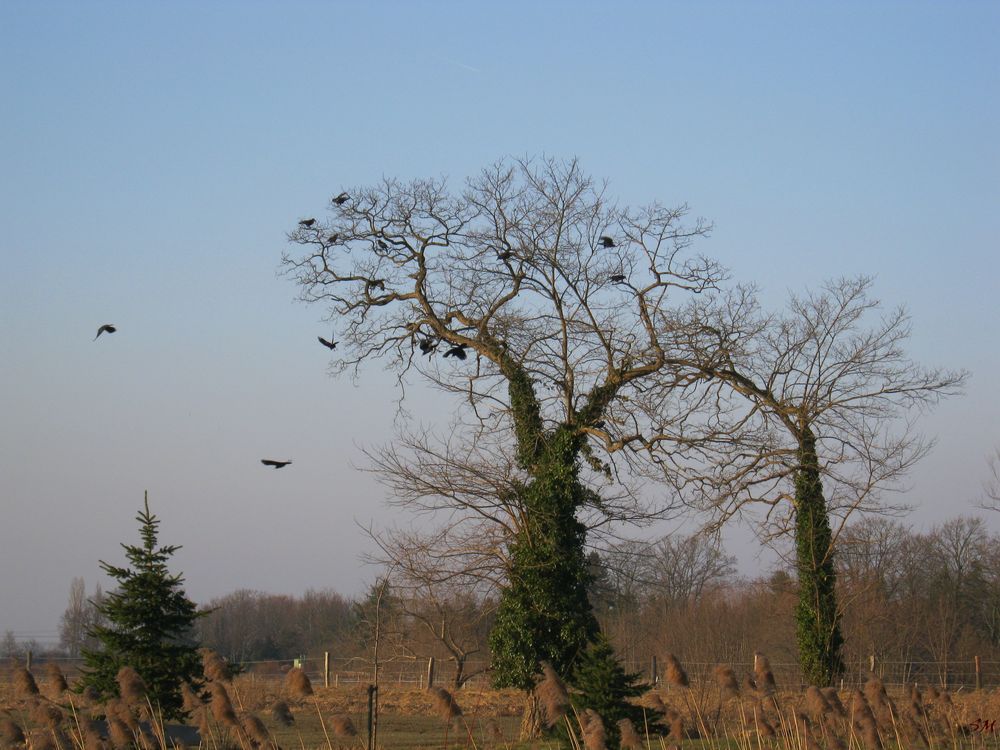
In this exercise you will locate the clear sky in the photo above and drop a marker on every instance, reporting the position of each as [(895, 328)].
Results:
[(154, 155)]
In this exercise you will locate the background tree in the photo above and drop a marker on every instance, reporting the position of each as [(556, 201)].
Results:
[(552, 305), (149, 624), (81, 616), (817, 400)]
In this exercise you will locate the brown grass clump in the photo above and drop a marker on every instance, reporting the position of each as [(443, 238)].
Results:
[(594, 735), (749, 684), (10, 732), (57, 684), (343, 726), (255, 729), (630, 738), (676, 722), (282, 714), (675, 672), (552, 695), (46, 715), (764, 727), (222, 707), (190, 700), (833, 700), (90, 695), (817, 704), (869, 732), (762, 671), (131, 687), (445, 704), (24, 683), (118, 733), (117, 709), (726, 679), (653, 700), (214, 666), (297, 683)]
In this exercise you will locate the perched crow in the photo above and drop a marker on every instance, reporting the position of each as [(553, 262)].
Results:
[(106, 328), (307, 222), (333, 238), (382, 245), (275, 464), (618, 278), (341, 199), (505, 255), (427, 345), (376, 284), (457, 351), (328, 344), (606, 241)]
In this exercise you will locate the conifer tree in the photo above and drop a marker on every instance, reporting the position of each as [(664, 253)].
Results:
[(148, 624)]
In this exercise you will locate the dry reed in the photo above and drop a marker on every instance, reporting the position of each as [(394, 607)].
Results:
[(552, 695), (24, 683), (90, 695), (762, 671), (117, 709), (630, 739), (190, 700), (833, 699), (594, 735), (676, 722), (675, 672), (118, 733), (10, 732), (255, 729), (214, 666), (222, 707), (56, 681), (131, 686), (282, 714), (445, 705), (729, 687), (297, 683), (46, 715), (343, 726)]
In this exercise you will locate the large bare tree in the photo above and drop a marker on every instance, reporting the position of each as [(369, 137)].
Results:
[(820, 400), (550, 311)]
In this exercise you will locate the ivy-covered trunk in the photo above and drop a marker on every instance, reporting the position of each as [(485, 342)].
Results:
[(817, 620), (544, 612)]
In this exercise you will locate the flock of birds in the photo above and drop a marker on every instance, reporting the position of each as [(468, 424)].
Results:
[(427, 345)]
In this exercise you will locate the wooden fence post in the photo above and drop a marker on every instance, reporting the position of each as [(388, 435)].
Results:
[(871, 663), (653, 674), (979, 674), (430, 672), (27, 661), (326, 669)]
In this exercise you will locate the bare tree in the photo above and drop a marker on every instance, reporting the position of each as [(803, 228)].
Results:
[(548, 310), (991, 487), (818, 401)]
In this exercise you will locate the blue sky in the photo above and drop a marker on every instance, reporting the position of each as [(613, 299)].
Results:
[(155, 154)]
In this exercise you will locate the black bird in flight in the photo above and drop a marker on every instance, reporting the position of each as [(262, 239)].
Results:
[(328, 344), (457, 351), (606, 241), (106, 328), (427, 345), (307, 222), (341, 199), (275, 464), (618, 278)]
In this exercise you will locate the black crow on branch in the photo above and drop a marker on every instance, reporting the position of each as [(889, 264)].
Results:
[(341, 199), (307, 222), (606, 241)]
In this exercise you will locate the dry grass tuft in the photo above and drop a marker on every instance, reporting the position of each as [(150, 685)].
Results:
[(552, 695), (726, 679), (56, 681), (131, 687), (749, 684), (282, 714), (119, 734), (817, 704), (675, 672), (10, 732), (444, 704), (24, 683), (594, 735), (833, 699), (190, 700), (90, 695), (653, 700), (46, 715), (762, 671), (222, 707), (676, 722), (214, 666), (297, 683), (630, 738), (343, 726)]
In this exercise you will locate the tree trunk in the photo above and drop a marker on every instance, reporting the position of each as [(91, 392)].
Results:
[(531, 719), (817, 619)]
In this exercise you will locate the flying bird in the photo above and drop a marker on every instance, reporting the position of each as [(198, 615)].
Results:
[(427, 345), (617, 278), (106, 328), (328, 344), (606, 241), (307, 222), (341, 199), (457, 351), (275, 464)]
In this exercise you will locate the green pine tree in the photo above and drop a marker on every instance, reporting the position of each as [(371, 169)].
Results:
[(603, 685), (148, 625)]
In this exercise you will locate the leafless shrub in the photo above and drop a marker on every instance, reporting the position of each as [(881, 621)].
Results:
[(24, 683), (552, 695), (343, 726), (675, 672), (297, 683), (445, 705), (282, 714), (630, 739)]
